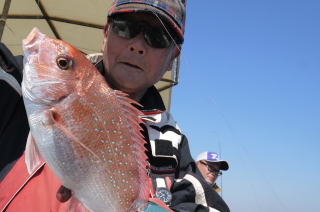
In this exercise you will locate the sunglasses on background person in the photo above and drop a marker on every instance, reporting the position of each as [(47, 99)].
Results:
[(211, 169), (155, 37)]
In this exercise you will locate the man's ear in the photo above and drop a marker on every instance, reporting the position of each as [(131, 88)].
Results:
[(171, 64), (105, 35), (175, 54), (105, 28), (177, 51)]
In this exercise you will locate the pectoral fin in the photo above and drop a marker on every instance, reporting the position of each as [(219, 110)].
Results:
[(32, 155)]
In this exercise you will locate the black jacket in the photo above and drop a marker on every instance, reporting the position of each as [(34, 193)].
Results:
[(14, 126), (193, 193)]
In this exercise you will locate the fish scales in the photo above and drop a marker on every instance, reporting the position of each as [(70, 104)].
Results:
[(88, 133)]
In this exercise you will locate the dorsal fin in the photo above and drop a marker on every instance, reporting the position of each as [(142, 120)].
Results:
[(134, 120)]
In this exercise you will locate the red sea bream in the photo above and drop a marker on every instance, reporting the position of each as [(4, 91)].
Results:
[(88, 133)]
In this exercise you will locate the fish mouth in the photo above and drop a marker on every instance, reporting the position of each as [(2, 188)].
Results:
[(50, 102), (33, 94), (43, 101), (30, 43)]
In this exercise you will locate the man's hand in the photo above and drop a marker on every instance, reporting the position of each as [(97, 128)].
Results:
[(63, 194)]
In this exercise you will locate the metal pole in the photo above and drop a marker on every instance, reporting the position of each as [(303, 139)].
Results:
[(4, 15), (63, 20), (221, 186), (46, 17)]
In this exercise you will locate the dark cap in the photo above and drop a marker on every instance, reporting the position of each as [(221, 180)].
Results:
[(173, 11)]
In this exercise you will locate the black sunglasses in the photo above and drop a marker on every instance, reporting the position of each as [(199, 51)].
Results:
[(154, 36), (212, 170)]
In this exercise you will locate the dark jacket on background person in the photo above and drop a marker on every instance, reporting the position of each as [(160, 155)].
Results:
[(172, 153), (193, 193)]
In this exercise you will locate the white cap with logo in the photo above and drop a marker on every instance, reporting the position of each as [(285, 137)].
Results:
[(213, 157)]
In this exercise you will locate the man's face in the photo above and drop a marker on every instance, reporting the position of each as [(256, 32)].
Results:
[(132, 65), (208, 170)]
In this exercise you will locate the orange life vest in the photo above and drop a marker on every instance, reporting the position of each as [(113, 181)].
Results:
[(36, 192)]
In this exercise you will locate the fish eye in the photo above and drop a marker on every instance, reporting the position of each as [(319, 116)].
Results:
[(64, 62)]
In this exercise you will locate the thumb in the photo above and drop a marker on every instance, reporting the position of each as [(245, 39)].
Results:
[(63, 194)]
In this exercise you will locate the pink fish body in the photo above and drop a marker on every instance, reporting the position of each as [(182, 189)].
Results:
[(88, 133)]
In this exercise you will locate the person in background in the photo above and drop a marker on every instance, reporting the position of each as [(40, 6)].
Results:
[(197, 191), (210, 166)]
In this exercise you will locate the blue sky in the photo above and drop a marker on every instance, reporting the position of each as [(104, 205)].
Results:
[(249, 88)]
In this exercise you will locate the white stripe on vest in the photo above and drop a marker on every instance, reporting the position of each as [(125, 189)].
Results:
[(160, 120), (200, 197)]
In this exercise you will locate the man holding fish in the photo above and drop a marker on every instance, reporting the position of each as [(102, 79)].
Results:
[(85, 131)]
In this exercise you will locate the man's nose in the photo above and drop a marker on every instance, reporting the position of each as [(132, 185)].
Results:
[(138, 45)]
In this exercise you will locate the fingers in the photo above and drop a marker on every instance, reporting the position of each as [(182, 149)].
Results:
[(63, 194)]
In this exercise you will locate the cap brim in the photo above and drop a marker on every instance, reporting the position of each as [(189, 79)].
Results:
[(223, 165)]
